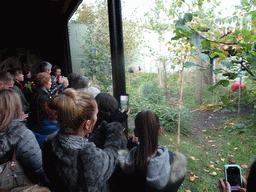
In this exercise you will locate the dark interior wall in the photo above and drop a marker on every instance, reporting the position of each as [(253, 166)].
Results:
[(38, 31)]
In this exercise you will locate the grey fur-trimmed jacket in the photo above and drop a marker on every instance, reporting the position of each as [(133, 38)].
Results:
[(166, 172), (60, 159), (18, 136)]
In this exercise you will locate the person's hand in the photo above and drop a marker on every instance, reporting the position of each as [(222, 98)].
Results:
[(128, 112), (244, 185), (23, 116), (134, 138), (223, 186), (61, 79)]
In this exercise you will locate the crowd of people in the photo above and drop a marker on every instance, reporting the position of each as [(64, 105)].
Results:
[(69, 137)]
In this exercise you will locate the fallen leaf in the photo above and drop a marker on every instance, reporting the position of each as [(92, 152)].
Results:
[(205, 189), (218, 169), (232, 123), (222, 159), (219, 155), (212, 166), (213, 173), (188, 191), (193, 158), (211, 141), (244, 166), (206, 170), (235, 149), (203, 130), (198, 147), (228, 143)]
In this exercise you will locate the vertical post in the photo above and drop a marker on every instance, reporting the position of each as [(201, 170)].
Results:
[(117, 47), (117, 51)]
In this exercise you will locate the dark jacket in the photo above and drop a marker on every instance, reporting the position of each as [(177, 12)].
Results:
[(40, 96), (166, 172), (24, 102), (43, 129), (29, 154), (115, 116), (60, 155)]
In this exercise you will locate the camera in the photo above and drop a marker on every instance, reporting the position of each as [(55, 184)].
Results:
[(57, 88)]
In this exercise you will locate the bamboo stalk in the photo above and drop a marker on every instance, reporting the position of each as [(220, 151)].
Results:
[(180, 102)]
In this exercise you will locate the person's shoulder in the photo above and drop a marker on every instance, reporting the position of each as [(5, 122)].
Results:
[(178, 163)]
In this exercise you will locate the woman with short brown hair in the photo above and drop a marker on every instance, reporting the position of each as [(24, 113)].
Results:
[(71, 161)]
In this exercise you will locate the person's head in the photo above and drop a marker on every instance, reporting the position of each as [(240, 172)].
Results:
[(147, 129), (76, 111), (77, 81), (17, 74), (65, 82), (45, 67), (43, 80), (56, 71), (10, 108), (6, 80), (106, 103), (49, 113), (94, 91)]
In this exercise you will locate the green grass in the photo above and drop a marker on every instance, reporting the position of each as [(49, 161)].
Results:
[(209, 151)]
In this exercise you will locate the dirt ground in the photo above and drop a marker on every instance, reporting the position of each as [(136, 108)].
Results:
[(203, 120)]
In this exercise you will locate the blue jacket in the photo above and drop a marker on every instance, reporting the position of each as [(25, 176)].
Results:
[(43, 129)]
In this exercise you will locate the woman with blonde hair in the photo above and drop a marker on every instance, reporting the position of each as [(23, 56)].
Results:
[(14, 135), (71, 161)]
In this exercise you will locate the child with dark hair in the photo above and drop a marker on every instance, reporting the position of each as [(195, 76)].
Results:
[(150, 166), (47, 126), (108, 111)]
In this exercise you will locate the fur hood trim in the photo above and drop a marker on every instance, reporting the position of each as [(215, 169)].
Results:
[(178, 165)]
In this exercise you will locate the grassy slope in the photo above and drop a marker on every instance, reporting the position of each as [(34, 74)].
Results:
[(209, 151)]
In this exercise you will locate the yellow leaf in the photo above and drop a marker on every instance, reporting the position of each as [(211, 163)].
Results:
[(235, 149), (228, 143), (213, 173), (188, 191), (212, 166), (222, 159), (232, 123), (193, 158)]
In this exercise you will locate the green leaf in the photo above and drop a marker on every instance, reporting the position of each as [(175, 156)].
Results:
[(196, 39), (189, 64), (181, 24), (224, 83), (206, 44), (253, 13), (227, 63), (240, 125), (204, 56), (188, 17)]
